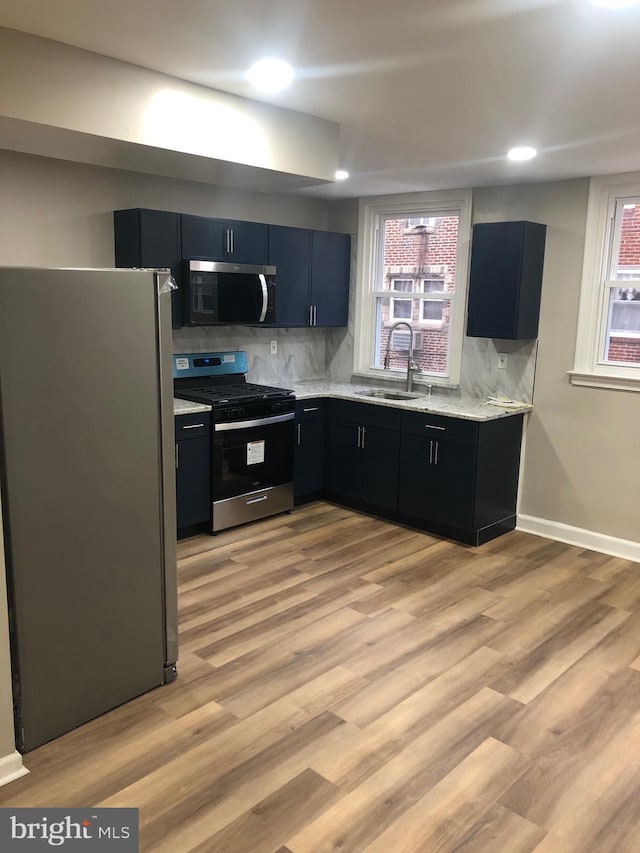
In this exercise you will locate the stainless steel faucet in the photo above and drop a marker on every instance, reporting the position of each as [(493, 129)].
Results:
[(411, 365)]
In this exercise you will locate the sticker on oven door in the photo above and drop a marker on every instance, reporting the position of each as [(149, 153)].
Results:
[(182, 364), (255, 452)]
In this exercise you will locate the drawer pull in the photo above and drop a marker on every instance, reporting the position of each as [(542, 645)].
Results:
[(256, 500), (192, 426), (433, 426), (312, 409)]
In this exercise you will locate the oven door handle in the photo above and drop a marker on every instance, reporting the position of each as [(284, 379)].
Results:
[(265, 298), (258, 422)]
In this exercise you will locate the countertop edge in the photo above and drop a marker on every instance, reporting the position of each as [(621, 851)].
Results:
[(464, 408)]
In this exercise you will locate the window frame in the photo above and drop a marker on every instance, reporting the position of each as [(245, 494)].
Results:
[(373, 211), (589, 368)]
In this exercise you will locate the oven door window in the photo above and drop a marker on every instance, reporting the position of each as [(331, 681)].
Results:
[(248, 459)]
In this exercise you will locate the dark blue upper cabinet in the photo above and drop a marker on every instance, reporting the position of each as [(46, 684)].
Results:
[(150, 238), (330, 257), (505, 280), (312, 276), (203, 237), (290, 253), (224, 240)]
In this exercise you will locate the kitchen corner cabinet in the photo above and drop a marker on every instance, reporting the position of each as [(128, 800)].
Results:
[(150, 238), (460, 477), (505, 280), (193, 469), (224, 240), (309, 450), (364, 454), (312, 276)]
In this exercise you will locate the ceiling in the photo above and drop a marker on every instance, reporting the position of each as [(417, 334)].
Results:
[(428, 93)]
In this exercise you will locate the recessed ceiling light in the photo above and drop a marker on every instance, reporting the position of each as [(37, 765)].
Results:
[(341, 175), (270, 75), (524, 152)]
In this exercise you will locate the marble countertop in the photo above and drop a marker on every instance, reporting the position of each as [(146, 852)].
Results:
[(468, 408), (186, 407)]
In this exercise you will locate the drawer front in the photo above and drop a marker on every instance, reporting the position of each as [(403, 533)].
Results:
[(309, 409), (192, 426), (440, 426), (366, 414)]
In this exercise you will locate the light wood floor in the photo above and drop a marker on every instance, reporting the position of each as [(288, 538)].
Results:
[(348, 684)]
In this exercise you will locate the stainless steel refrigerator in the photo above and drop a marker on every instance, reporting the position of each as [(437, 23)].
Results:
[(88, 491)]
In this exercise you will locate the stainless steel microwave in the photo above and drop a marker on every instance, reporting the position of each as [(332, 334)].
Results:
[(215, 293)]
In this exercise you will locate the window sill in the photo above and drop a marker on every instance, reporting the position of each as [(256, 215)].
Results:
[(599, 380)]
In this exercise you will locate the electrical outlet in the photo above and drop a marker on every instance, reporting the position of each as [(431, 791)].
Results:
[(502, 360), (274, 347)]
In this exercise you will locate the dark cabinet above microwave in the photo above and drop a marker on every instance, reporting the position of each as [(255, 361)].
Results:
[(312, 266), (224, 240)]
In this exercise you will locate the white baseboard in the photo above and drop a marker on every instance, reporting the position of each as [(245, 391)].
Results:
[(624, 548), (11, 768)]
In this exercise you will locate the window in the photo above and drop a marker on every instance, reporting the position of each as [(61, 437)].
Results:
[(401, 308), (608, 343), (433, 309), (412, 268)]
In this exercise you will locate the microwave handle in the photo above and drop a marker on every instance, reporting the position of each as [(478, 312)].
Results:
[(265, 298)]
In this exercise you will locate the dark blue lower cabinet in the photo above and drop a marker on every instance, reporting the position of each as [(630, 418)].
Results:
[(460, 478), (193, 471), (364, 455), (437, 481), (309, 460)]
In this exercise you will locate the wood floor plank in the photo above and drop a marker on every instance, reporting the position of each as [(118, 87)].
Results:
[(346, 683), (380, 801), (407, 720), (276, 817), (453, 806), (500, 830)]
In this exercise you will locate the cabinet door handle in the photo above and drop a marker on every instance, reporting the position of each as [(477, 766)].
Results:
[(298, 433), (177, 465), (433, 426), (192, 426), (358, 443), (437, 451), (231, 241), (430, 453), (364, 430), (311, 315), (312, 409), (315, 315)]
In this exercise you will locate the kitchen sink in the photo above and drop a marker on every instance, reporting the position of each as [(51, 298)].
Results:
[(381, 394)]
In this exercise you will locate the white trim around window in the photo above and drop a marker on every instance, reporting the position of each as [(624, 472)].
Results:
[(372, 211), (590, 367)]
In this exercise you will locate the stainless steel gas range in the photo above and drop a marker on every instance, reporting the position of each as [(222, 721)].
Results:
[(252, 436)]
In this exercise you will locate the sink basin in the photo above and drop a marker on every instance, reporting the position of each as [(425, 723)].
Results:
[(381, 394)]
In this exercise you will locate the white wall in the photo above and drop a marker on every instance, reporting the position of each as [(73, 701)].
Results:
[(62, 101)]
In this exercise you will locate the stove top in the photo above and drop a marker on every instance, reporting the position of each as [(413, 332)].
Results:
[(218, 395), (219, 378)]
